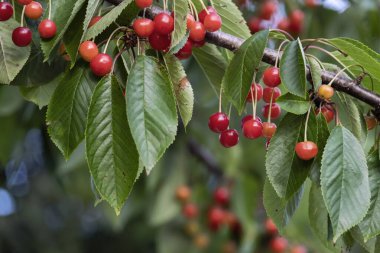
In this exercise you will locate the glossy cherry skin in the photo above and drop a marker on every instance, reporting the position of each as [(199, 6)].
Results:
[(101, 65), (222, 196), (143, 3), (183, 193), (22, 36), (143, 27), (325, 91), (252, 129), (248, 117), (251, 93), (276, 111), (268, 9), (371, 122), (34, 10), (6, 11), (327, 113), (197, 32), (190, 20), (202, 15), (271, 77), (163, 23), (212, 22), (216, 218), (88, 50), (306, 150), (218, 122), (47, 29), (229, 138), (198, 43), (270, 227), (298, 249), (186, 51), (267, 94), (190, 211), (269, 129), (94, 20), (254, 24), (278, 245), (24, 2), (159, 42)]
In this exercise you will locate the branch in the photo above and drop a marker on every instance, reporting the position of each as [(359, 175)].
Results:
[(341, 84)]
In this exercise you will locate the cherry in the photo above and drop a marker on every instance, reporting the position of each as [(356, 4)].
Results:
[(254, 24), (216, 218), (270, 227), (190, 20), (101, 65), (284, 24), (248, 117), (296, 21), (183, 193), (276, 111), (34, 10), (198, 43), (212, 22), (47, 29), (143, 3), (252, 92), (327, 113), (229, 138), (268, 9), (186, 51), (222, 196), (22, 36), (298, 249), (253, 129), (202, 15), (306, 150), (232, 221), (278, 245), (268, 94), (143, 27), (163, 23), (218, 122), (311, 3), (269, 129), (197, 32), (24, 2), (159, 42), (88, 50), (371, 122), (94, 20), (190, 211), (272, 77), (6, 11), (325, 91)]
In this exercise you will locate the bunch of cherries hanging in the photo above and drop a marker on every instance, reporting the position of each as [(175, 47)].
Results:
[(22, 36)]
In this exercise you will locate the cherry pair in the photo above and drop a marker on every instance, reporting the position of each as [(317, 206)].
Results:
[(219, 123), (100, 63)]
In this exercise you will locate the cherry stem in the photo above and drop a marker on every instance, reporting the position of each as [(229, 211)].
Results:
[(165, 5), (193, 10), (337, 119), (116, 58), (270, 106), (317, 60), (49, 17), (283, 32), (220, 99), (110, 38), (204, 6), (278, 53), (14, 13), (22, 16), (342, 71), (324, 42), (307, 122), (254, 99), (212, 3)]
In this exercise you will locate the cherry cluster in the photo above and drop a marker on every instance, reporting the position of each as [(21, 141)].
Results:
[(22, 36)]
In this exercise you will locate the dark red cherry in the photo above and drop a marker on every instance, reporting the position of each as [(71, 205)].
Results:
[(296, 21), (272, 77), (163, 23), (197, 32), (253, 129), (101, 65), (159, 42), (254, 24), (268, 9), (186, 51), (268, 94), (326, 112), (190, 210), (222, 196), (22, 36), (47, 29), (143, 27), (218, 122), (216, 217), (212, 22), (252, 93), (24, 2), (202, 15), (198, 43), (6, 11), (306, 150), (229, 138), (276, 111), (143, 3)]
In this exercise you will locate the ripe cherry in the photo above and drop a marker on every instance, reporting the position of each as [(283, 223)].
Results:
[(278, 245), (22, 36), (190, 211), (251, 92), (222, 196), (94, 20), (267, 94), (159, 42), (269, 129), (248, 117), (198, 43), (202, 15), (183, 193), (229, 138), (253, 129), (268, 9), (218, 122), (284, 24), (254, 24), (327, 113), (101, 65), (325, 91), (143, 27), (88, 50), (311, 3), (216, 218), (298, 249), (34, 10), (296, 21), (272, 77), (371, 122), (186, 51), (197, 32), (143, 3), (6, 11), (212, 22), (276, 111), (306, 150), (190, 20), (270, 227), (47, 29), (163, 23), (24, 2)]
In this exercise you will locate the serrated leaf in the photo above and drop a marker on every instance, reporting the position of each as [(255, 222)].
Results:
[(344, 180), (180, 9), (293, 68), (293, 104), (371, 246), (67, 111), (239, 74), (151, 110), (111, 153), (316, 72), (12, 57)]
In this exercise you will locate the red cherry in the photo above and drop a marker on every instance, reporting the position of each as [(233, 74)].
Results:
[(371, 122), (253, 129), (268, 94), (159, 42), (183, 193), (215, 218), (198, 43), (306, 150), (190, 20), (88, 50), (278, 245), (270, 227), (6, 11), (222, 196), (190, 211), (229, 138), (276, 111), (202, 15), (143, 3), (47, 29), (272, 77), (22, 36), (163, 23), (252, 92), (268, 9), (197, 32), (94, 20), (34, 10), (311, 3), (186, 51), (24, 2), (298, 249), (246, 118), (284, 24), (296, 21), (327, 113), (143, 27), (254, 24), (101, 65), (218, 122), (212, 22), (269, 129)]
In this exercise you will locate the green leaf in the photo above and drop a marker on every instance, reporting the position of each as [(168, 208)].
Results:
[(180, 9), (372, 245), (278, 209), (239, 74), (344, 180), (111, 153), (12, 57), (40, 95), (293, 104), (151, 110), (293, 68), (316, 71), (182, 88), (10, 100), (67, 111)]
